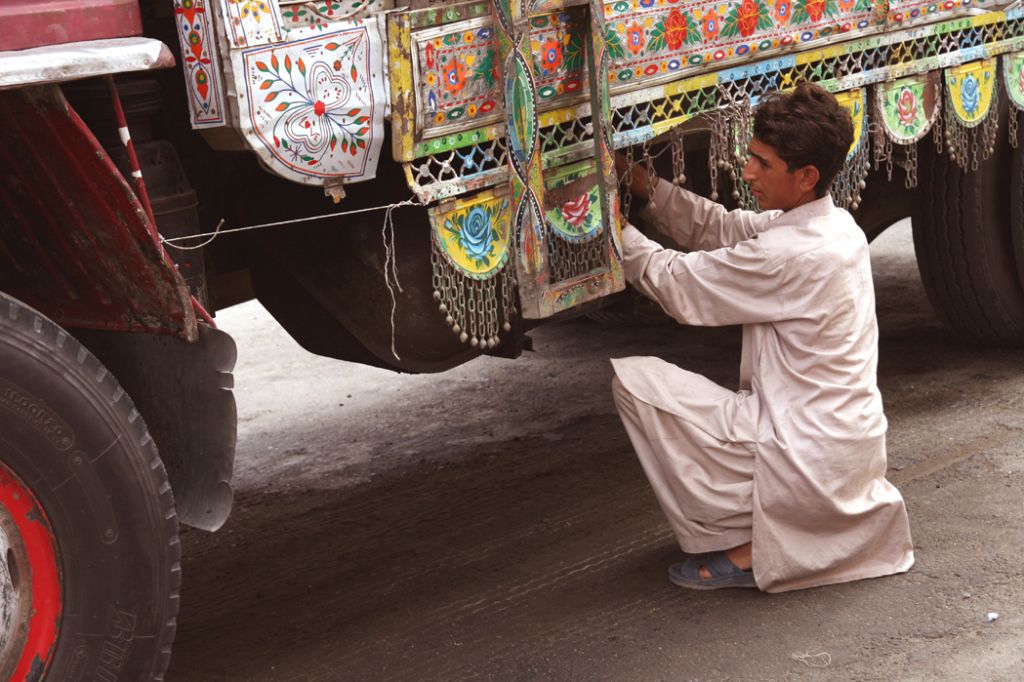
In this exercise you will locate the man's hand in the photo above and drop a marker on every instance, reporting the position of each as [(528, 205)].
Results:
[(639, 181)]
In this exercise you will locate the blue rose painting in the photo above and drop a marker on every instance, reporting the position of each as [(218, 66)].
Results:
[(970, 94), (473, 232)]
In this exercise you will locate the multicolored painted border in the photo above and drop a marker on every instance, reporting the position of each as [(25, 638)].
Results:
[(837, 67), (913, 11), (526, 186), (657, 38), (200, 63), (540, 295), (857, 40)]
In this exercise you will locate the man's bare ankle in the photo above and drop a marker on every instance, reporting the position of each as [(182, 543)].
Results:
[(742, 556)]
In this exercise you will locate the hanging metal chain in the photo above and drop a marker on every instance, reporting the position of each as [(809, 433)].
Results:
[(850, 182), (741, 129), (938, 128), (910, 165), (627, 195), (882, 150), (718, 149), (508, 298), (652, 175), (990, 128), (678, 147)]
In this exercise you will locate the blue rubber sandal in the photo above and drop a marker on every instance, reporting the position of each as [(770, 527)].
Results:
[(724, 573)]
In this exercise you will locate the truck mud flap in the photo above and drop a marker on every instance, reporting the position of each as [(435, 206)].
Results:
[(184, 393)]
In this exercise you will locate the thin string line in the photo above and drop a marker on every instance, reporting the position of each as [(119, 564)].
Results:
[(391, 270), (217, 231)]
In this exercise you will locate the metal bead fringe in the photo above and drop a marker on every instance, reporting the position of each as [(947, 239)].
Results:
[(475, 310)]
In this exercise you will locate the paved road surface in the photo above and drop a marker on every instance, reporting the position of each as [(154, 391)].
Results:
[(492, 523)]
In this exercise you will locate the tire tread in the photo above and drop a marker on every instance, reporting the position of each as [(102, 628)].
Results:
[(33, 323), (961, 221)]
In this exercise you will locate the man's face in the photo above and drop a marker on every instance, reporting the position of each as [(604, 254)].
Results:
[(774, 185)]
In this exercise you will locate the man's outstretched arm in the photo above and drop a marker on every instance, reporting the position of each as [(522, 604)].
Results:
[(739, 284), (693, 222)]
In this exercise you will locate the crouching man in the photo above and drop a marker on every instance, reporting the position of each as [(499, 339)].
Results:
[(780, 485)]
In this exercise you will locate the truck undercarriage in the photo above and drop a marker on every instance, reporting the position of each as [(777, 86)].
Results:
[(470, 148)]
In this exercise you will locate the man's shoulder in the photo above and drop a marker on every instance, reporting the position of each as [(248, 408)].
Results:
[(814, 237)]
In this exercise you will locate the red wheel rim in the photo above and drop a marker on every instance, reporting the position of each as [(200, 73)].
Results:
[(33, 575)]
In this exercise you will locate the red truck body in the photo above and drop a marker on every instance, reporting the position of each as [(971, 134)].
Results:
[(34, 23)]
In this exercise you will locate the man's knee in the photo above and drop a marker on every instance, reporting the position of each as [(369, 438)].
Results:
[(618, 390), (624, 400)]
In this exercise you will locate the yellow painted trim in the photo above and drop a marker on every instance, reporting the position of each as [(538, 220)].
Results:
[(403, 105), (695, 83), (818, 55), (556, 116), (664, 126), (847, 99), (988, 18)]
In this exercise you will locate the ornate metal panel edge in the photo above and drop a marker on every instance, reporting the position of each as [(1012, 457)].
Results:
[(201, 64)]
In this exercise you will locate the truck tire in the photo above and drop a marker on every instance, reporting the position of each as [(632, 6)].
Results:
[(1017, 201), (963, 240), (89, 552)]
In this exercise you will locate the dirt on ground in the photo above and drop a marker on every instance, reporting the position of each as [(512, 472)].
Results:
[(493, 523)]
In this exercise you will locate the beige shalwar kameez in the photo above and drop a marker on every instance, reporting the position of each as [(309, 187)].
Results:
[(795, 460)]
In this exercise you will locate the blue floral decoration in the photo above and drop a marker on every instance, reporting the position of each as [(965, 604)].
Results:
[(970, 94), (474, 234)]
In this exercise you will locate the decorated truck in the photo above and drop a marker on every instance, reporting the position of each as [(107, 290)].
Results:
[(405, 186)]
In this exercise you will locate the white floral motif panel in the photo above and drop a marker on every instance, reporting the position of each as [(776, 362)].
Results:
[(315, 107), (252, 22)]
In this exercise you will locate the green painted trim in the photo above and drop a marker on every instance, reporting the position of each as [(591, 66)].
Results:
[(438, 16)]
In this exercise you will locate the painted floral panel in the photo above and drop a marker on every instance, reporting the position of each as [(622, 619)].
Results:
[(907, 107), (473, 234), (573, 201), (458, 71), (649, 38), (577, 218), (200, 63), (1013, 76), (315, 105), (969, 90)]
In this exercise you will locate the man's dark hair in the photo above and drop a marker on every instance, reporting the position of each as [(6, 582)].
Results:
[(806, 127)]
